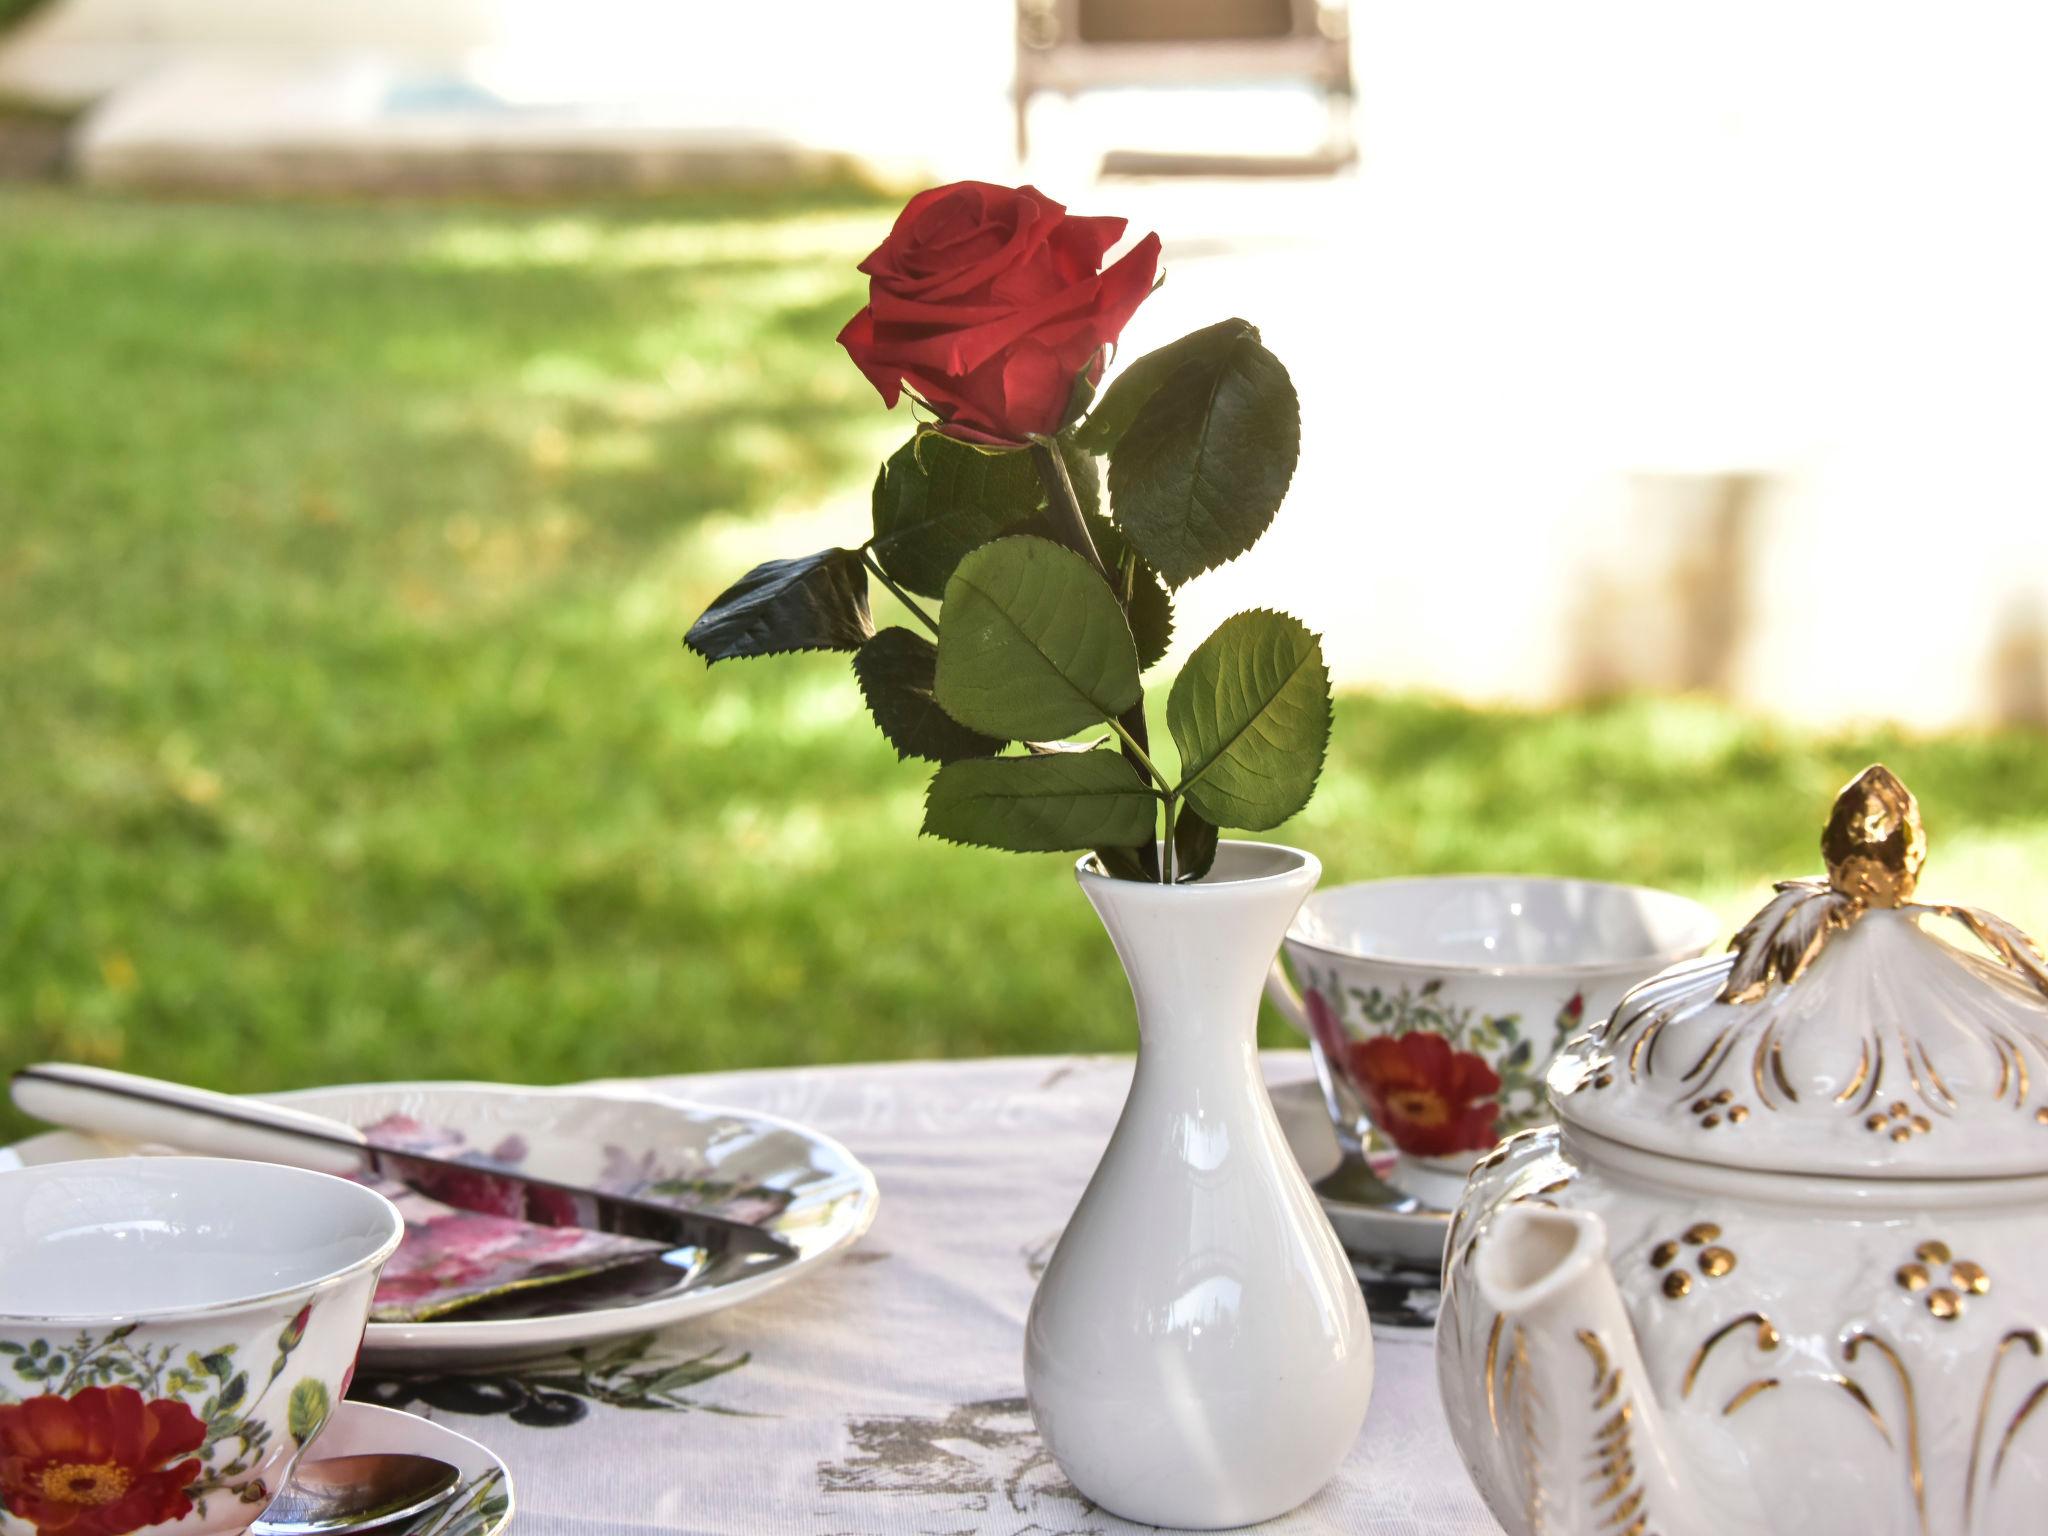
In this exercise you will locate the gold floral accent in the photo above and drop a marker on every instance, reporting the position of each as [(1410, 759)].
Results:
[(1619, 1496), (1944, 1300), (1875, 848), (1710, 1110), (1714, 1262), (1898, 1122)]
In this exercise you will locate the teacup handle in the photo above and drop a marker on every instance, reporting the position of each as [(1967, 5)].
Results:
[(1287, 1001)]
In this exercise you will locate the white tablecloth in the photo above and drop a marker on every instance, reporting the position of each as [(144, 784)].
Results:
[(884, 1397)]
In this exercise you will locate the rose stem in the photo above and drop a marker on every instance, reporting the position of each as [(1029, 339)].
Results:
[(902, 596), (1072, 527)]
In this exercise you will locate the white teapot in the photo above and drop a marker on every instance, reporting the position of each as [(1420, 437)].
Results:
[(1783, 1266)]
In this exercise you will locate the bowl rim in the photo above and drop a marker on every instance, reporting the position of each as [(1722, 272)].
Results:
[(150, 1316), (1707, 927)]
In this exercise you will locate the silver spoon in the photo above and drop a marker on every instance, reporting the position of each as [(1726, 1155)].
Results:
[(342, 1494)]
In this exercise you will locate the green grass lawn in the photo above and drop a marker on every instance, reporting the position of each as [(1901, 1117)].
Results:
[(345, 731)]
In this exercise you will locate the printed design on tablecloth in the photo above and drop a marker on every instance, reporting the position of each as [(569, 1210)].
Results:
[(1438, 1077), (552, 1394), (983, 1459), (101, 1434)]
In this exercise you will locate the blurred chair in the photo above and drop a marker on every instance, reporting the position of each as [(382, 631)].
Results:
[(1070, 46)]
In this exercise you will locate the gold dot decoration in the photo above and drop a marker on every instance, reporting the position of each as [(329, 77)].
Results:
[(1710, 1110), (2041, 1115), (1944, 1300), (1713, 1261), (1898, 1122)]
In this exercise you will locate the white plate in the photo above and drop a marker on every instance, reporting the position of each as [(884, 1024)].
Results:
[(482, 1508), (1372, 1220), (577, 1135)]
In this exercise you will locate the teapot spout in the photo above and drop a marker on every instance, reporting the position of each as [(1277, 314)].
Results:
[(1566, 1387)]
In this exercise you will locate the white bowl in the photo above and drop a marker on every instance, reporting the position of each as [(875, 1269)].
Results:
[(173, 1332)]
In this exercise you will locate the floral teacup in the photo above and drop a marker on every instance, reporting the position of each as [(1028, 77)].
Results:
[(174, 1331), (1434, 1005)]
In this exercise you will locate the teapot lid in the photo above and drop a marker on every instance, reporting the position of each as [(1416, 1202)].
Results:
[(1849, 1031)]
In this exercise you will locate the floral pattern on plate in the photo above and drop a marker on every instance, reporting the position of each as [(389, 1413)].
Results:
[(483, 1247)]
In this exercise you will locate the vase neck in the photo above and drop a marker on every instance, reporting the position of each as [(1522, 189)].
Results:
[(1197, 955)]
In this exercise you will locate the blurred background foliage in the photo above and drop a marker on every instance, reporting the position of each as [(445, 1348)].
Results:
[(346, 732)]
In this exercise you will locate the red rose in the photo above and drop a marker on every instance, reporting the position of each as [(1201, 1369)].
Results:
[(1429, 1099), (99, 1463), (988, 302)]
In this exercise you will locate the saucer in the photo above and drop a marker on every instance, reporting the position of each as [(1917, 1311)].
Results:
[(1374, 1221), (482, 1508), (805, 1187)]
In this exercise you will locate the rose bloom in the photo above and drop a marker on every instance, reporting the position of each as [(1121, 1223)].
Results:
[(101, 1462), (989, 302), (1431, 1100)]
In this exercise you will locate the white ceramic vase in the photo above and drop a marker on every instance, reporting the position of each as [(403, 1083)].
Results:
[(1198, 1354)]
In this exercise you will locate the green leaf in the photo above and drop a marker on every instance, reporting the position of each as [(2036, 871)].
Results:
[(896, 669), (937, 498), (308, 1409), (1151, 607), (1129, 392), (1032, 644), (1085, 474), (1251, 715), (816, 603), (1040, 804), (1200, 473), (1194, 844)]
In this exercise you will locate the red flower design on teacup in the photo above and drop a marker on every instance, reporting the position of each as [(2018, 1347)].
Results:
[(101, 1462), (1326, 1030), (1430, 1100)]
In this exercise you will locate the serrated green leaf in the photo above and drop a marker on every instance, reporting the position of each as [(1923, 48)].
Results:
[(1201, 471), (1251, 715), (308, 1409), (1047, 804), (1151, 607), (896, 669), (937, 498), (1195, 838), (1129, 391), (816, 603), (1032, 643)]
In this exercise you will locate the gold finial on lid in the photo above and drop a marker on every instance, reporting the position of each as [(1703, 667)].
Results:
[(1874, 843)]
